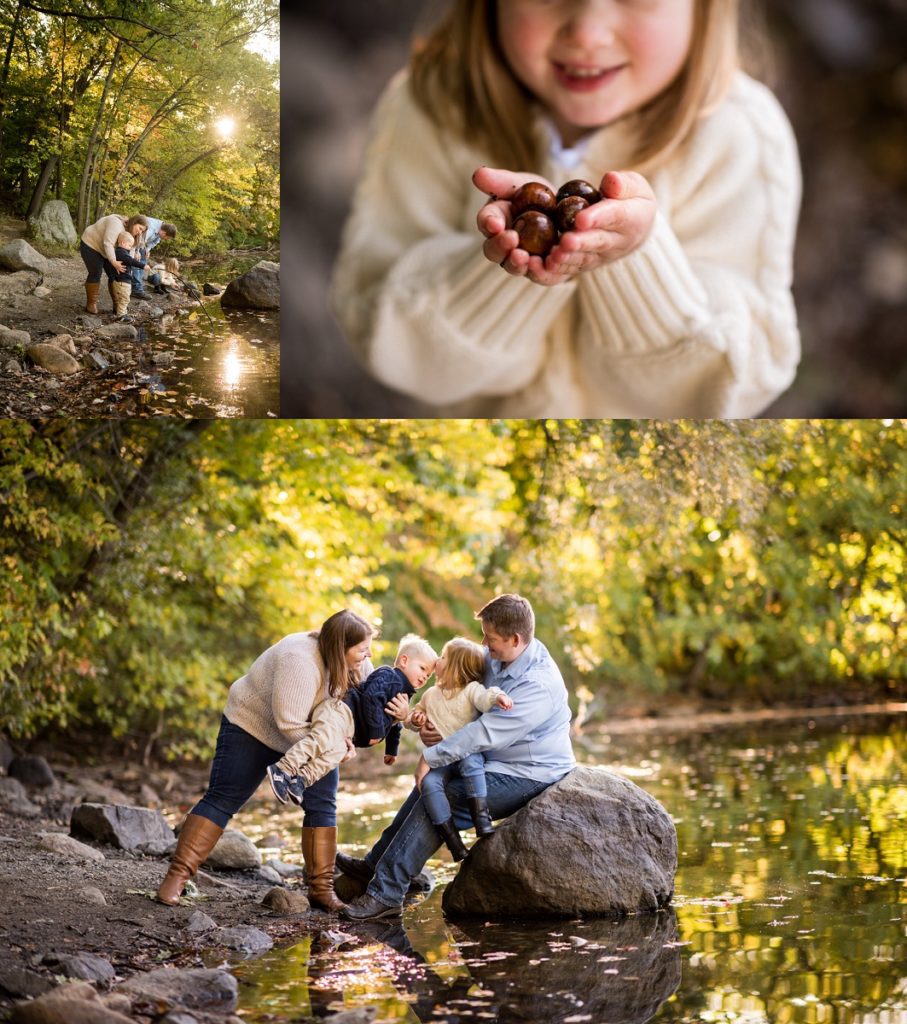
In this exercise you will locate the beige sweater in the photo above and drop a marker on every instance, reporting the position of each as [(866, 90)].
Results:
[(448, 711), (274, 700), (698, 322), (102, 235)]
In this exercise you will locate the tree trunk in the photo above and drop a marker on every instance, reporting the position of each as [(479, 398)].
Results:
[(37, 198), (82, 208), (4, 76)]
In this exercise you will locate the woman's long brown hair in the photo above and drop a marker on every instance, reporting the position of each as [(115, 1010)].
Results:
[(343, 630)]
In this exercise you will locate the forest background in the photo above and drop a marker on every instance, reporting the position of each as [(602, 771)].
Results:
[(165, 109), (144, 565)]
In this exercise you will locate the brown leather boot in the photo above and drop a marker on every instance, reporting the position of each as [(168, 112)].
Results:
[(319, 850), (91, 296), (197, 839)]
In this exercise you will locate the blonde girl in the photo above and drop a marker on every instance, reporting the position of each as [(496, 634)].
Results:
[(457, 698), (672, 295)]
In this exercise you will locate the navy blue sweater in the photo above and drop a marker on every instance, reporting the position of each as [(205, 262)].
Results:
[(367, 701)]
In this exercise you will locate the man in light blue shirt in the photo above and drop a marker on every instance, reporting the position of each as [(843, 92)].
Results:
[(156, 232), (526, 749)]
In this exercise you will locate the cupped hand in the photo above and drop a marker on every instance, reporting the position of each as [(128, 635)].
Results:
[(494, 220), (607, 230), (350, 751)]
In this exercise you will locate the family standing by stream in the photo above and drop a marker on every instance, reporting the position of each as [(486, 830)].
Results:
[(120, 248), (292, 709)]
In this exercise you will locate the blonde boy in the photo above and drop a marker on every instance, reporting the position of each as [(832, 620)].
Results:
[(359, 716)]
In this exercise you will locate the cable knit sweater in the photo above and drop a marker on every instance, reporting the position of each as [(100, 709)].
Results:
[(697, 322), (449, 711), (273, 701), (102, 235)]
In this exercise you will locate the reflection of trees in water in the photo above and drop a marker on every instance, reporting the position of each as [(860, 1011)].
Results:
[(838, 76), (597, 970)]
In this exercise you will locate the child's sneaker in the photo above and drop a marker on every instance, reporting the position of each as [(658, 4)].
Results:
[(295, 789), (280, 782), (125, 319)]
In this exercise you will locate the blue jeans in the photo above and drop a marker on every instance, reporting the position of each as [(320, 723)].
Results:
[(410, 839), (471, 770), (138, 273), (238, 769)]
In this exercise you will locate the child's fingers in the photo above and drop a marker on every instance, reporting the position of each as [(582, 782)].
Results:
[(499, 246), (493, 218), (626, 185)]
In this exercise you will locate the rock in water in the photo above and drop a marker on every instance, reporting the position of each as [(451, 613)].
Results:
[(258, 288), (53, 224), (593, 844)]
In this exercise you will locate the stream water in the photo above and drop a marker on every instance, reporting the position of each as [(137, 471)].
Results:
[(790, 904), (202, 361)]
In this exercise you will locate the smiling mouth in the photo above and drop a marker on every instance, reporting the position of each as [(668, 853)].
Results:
[(585, 76)]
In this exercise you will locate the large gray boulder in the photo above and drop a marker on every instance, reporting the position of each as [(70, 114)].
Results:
[(19, 255), (127, 828), (592, 844), (258, 288), (53, 224)]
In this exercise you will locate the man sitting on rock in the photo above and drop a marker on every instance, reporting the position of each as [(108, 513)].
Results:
[(156, 232), (525, 751)]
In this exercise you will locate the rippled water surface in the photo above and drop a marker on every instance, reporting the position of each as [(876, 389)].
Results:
[(790, 902)]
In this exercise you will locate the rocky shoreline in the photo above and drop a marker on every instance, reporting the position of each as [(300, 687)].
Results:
[(83, 940)]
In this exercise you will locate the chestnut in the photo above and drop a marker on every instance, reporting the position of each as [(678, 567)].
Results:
[(532, 196), (566, 212), (578, 187), (537, 232)]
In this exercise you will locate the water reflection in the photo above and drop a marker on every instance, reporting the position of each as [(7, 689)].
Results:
[(615, 971), (791, 903)]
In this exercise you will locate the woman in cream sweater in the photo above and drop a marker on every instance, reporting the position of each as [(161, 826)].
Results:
[(268, 710)]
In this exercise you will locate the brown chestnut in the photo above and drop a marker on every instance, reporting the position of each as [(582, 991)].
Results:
[(578, 187), (537, 232), (532, 196), (566, 212)]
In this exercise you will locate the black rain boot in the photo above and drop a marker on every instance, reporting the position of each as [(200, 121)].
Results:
[(478, 808), (448, 832)]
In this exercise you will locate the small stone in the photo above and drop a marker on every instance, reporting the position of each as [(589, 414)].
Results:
[(66, 846), (86, 966), (268, 874), (199, 923), (96, 361), (285, 901), (244, 938), (41, 292), (63, 342), (163, 359), (52, 359), (93, 895), (234, 852), (283, 869)]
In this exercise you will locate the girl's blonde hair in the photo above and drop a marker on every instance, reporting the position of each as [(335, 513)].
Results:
[(460, 78), (465, 663), (172, 265)]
